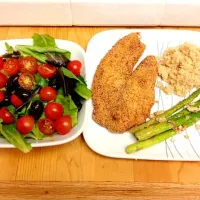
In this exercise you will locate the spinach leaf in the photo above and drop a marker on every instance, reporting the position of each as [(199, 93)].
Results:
[(14, 137), (22, 112), (29, 135), (9, 48), (24, 50), (40, 80), (83, 91), (43, 40), (69, 107), (69, 74)]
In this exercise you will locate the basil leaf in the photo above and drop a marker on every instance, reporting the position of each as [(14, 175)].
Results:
[(22, 112), (83, 91), (43, 40), (69, 108), (12, 109), (69, 74), (82, 79), (14, 137), (41, 81), (9, 48)]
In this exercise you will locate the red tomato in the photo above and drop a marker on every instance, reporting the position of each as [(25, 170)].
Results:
[(63, 124), (27, 81), (3, 80), (48, 93), (11, 66), (53, 110), (25, 124), (1, 62), (46, 126), (46, 70), (2, 96), (75, 67), (16, 101), (6, 116), (28, 64)]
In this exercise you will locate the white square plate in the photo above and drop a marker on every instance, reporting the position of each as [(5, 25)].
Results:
[(185, 146), (78, 53)]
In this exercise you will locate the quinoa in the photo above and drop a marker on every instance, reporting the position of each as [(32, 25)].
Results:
[(179, 67)]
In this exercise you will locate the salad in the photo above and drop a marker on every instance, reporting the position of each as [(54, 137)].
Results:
[(41, 91)]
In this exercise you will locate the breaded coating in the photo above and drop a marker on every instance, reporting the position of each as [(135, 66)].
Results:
[(123, 98)]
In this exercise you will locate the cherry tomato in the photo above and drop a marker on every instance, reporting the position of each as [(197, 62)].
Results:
[(2, 96), (48, 93), (1, 62), (28, 64), (16, 101), (11, 66), (46, 126), (6, 116), (3, 80), (25, 124), (46, 70), (27, 81), (53, 110), (63, 124), (75, 67)]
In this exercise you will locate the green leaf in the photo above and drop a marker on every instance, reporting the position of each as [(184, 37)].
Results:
[(41, 81), (29, 135), (9, 48), (14, 137), (36, 132), (43, 40), (82, 79), (69, 108), (25, 51), (23, 111), (69, 74), (83, 91), (45, 49), (67, 55), (12, 109), (60, 91)]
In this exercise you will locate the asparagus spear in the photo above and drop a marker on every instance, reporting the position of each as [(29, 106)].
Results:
[(158, 138), (164, 126), (167, 113), (184, 111)]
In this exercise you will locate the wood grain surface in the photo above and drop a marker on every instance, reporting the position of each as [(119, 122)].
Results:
[(74, 161), (97, 191)]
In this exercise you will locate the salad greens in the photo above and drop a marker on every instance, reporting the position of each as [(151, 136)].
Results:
[(14, 137), (42, 44), (71, 93)]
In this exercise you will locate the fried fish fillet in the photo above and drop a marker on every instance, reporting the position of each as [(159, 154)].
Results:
[(123, 98)]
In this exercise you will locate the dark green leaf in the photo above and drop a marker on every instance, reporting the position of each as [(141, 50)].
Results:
[(69, 74), (14, 137), (9, 48), (82, 79), (43, 40), (41, 81), (83, 91), (30, 135), (12, 109), (69, 108)]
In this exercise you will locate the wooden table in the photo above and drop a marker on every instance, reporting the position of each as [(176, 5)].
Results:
[(74, 170)]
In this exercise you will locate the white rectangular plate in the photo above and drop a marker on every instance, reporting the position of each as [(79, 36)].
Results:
[(185, 146)]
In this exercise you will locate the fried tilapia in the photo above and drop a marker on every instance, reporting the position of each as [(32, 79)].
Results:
[(122, 98)]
